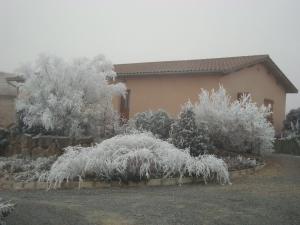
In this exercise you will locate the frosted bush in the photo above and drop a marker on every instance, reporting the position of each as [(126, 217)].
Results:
[(68, 166), (208, 166), (235, 125), (69, 98), (138, 156), (5, 209), (25, 169)]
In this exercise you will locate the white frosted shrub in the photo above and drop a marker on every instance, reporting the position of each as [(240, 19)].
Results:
[(25, 169), (239, 126), (69, 165), (138, 156), (208, 166), (69, 98), (5, 209)]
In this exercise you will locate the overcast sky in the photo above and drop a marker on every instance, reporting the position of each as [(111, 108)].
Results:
[(152, 30)]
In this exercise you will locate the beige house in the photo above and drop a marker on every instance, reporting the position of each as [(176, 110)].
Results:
[(8, 94), (167, 85)]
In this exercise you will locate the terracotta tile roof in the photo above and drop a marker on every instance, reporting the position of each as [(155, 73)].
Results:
[(200, 66), (216, 65)]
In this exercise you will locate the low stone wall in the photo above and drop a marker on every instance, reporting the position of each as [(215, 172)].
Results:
[(42, 145), (11, 185), (240, 173)]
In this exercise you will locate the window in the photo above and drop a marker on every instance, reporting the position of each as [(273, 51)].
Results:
[(269, 103), (124, 107), (125, 100)]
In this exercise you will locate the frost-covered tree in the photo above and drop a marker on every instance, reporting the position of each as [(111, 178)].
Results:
[(157, 122), (238, 125), (185, 134), (69, 98)]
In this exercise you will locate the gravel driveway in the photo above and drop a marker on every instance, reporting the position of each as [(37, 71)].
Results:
[(272, 196)]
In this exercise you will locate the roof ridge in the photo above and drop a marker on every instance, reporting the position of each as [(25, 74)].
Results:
[(189, 60)]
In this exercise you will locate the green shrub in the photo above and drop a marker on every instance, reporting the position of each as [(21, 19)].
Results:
[(186, 134), (158, 123)]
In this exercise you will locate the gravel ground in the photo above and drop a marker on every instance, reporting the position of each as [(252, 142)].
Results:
[(272, 196)]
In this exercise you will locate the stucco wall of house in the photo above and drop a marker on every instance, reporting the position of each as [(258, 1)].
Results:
[(169, 92), (7, 111), (261, 84)]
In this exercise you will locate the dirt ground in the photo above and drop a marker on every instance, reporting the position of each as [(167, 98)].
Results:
[(272, 196)]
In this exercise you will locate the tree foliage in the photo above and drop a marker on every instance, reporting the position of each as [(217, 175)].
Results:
[(292, 121), (69, 98)]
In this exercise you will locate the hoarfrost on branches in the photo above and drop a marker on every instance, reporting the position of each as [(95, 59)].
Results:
[(69, 98), (138, 156), (235, 125)]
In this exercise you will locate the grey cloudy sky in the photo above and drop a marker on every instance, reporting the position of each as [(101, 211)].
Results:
[(152, 30)]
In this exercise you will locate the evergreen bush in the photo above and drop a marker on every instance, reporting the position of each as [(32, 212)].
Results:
[(159, 123), (186, 134)]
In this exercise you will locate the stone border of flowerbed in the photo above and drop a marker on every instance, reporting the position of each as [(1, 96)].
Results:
[(240, 173), (11, 185)]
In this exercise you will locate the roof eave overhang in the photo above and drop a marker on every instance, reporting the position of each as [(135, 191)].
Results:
[(145, 74), (18, 79), (281, 77)]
